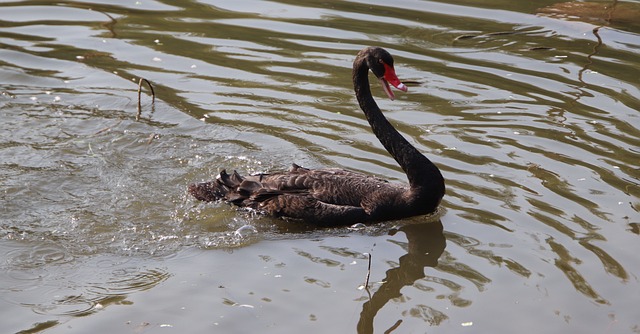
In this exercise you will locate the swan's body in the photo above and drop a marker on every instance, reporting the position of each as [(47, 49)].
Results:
[(337, 196)]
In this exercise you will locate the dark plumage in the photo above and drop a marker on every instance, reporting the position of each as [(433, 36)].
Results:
[(337, 196)]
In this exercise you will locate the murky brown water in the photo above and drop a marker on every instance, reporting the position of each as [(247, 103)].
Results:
[(530, 109)]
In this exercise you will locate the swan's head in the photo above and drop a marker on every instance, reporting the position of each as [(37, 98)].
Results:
[(380, 62)]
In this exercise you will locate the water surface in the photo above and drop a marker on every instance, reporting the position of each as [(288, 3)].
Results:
[(530, 109)]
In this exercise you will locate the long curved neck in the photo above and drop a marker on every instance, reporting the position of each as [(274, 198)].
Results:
[(423, 175)]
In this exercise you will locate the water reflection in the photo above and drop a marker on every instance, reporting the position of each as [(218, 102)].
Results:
[(619, 14), (425, 244), (39, 327)]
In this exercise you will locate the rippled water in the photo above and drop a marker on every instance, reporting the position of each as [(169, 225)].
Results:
[(530, 109)]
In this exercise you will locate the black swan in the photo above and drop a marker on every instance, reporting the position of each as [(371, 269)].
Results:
[(336, 196)]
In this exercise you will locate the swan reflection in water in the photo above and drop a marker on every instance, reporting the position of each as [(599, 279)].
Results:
[(426, 243)]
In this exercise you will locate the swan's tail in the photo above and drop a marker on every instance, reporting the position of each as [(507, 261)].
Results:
[(224, 187), (232, 188)]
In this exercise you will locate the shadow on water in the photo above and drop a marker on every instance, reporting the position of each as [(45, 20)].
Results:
[(425, 244)]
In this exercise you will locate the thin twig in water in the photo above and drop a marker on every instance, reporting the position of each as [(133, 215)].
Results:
[(366, 282), (107, 128), (151, 138), (153, 96)]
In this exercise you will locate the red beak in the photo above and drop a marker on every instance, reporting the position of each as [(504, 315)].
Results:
[(390, 77)]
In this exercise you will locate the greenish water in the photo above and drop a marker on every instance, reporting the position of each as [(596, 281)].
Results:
[(530, 109)]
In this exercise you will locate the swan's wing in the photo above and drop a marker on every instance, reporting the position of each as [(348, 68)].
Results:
[(331, 186), (321, 196), (311, 210)]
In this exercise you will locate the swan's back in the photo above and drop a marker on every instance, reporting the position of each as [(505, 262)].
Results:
[(320, 196)]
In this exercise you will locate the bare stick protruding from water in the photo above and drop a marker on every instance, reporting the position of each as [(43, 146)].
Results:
[(366, 282), (153, 96)]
